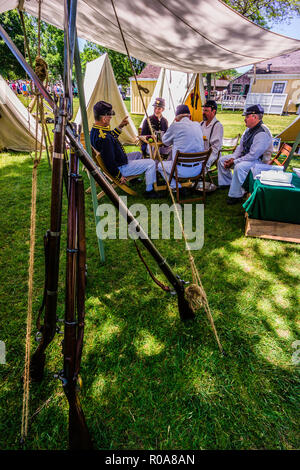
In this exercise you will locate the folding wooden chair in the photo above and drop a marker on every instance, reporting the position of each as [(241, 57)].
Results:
[(228, 145), (189, 159), (282, 155), (114, 182)]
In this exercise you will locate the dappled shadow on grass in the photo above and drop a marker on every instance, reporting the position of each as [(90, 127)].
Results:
[(149, 380), (158, 383)]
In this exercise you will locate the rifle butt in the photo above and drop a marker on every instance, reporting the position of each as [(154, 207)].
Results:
[(79, 436), (185, 311), (37, 366)]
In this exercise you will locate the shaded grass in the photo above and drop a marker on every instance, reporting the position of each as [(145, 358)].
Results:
[(150, 381)]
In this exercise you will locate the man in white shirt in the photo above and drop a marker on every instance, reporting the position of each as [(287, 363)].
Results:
[(255, 146), (184, 135), (212, 131)]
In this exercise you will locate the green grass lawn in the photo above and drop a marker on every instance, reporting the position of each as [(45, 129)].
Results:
[(150, 381)]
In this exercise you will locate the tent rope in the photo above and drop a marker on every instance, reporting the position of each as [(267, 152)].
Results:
[(195, 292), (36, 161)]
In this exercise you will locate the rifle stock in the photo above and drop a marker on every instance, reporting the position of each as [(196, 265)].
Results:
[(74, 324), (49, 328)]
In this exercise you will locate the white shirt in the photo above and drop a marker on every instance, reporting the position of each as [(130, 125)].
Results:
[(262, 145), (215, 140), (184, 135)]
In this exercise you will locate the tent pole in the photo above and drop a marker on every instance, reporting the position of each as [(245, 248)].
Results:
[(208, 81), (296, 143), (87, 141)]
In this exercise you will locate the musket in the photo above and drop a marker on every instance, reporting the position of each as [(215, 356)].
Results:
[(185, 311), (79, 437), (49, 327)]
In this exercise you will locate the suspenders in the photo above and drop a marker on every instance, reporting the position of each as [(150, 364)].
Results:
[(212, 129)]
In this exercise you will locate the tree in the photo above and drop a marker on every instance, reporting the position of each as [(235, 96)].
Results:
[(9, 66), (52, 45), (120, 62), (266, 12)]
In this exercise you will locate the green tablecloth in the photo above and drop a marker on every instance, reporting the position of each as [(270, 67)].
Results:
[(273, 202)]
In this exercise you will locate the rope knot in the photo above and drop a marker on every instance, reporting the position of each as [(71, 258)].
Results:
[(41, 68), (195, 296)]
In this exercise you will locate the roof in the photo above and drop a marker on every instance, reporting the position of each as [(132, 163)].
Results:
[(150, 71), (286, 64), (244, 77), (199, 36), (219, 82)]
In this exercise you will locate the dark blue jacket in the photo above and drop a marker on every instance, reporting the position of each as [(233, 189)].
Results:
[(112, 151)]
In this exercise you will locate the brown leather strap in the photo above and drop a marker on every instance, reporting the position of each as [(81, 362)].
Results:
[(160, 284)]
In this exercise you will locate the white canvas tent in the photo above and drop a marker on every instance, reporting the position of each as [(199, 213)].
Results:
[(195, 36), (290, 133), (100, 84), (174, 87), (17, 126)]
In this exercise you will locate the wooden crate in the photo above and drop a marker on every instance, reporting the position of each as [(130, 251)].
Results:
[(272, 230)]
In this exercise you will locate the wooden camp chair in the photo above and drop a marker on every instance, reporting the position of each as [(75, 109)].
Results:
[(114, 182), (282, 155), (228, 145), (189, 159)]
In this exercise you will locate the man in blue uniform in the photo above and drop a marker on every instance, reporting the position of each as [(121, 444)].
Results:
[(159, 125), (118, 163), (255, 146)]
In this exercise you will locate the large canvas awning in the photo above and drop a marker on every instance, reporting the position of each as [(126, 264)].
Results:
[(193, 36)]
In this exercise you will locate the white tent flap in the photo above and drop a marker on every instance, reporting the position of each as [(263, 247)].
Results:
[(194, 36), (100, 85), (17, 126), (173, 87)]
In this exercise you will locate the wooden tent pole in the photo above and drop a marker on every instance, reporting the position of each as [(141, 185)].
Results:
[(87, 141)]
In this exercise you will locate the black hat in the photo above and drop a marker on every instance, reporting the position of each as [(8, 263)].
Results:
[(254, 109), (103, 109), (211, 104)]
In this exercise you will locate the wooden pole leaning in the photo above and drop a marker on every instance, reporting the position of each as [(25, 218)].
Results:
[(87, 142)]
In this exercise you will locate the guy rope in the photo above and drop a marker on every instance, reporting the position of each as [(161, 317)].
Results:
[(195, 292), (41, 70)]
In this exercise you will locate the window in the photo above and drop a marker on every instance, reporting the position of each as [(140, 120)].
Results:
[(236, 88), (278, 87)]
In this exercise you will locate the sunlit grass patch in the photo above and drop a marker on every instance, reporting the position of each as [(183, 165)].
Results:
[(147, 345)]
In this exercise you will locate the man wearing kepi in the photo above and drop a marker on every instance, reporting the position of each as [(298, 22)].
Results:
[(118, 164), (255, 146), (159, 126), (186, 136)]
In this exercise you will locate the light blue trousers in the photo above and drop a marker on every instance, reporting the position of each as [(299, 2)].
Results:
[(137, 165), (235, 179)]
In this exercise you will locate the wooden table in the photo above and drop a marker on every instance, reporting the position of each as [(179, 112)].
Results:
[(153, 147)]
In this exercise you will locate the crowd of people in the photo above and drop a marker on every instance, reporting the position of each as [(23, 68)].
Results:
[(20, 87), (187, 136), (23, 87)]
